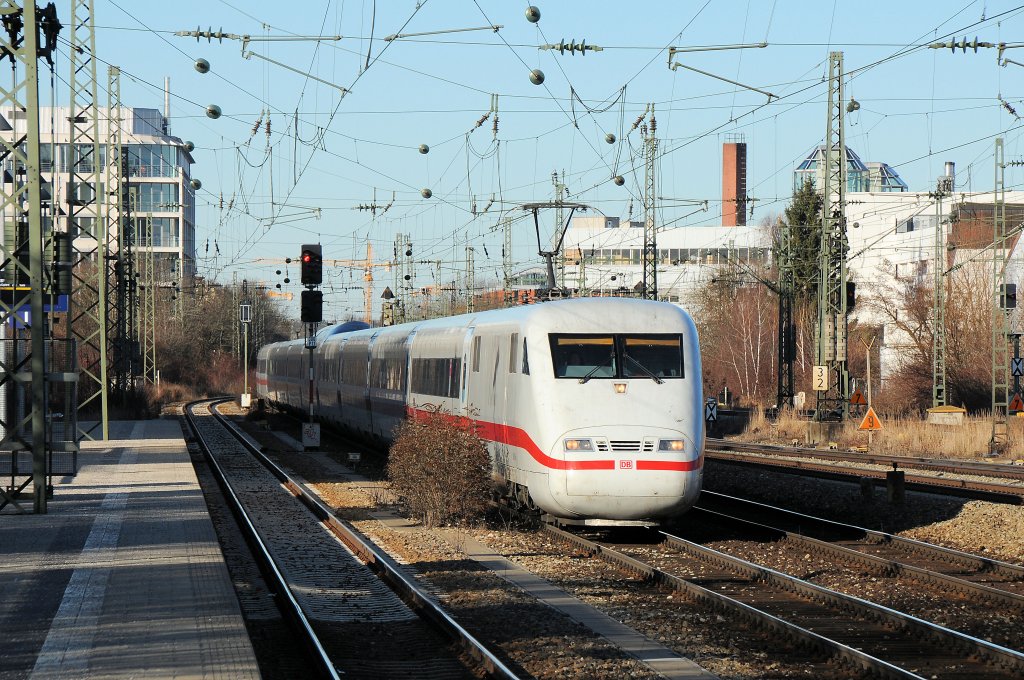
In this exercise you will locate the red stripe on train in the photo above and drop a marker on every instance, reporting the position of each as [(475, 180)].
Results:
[(518, 437)]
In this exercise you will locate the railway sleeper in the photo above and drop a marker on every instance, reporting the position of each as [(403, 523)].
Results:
[(799, 637)]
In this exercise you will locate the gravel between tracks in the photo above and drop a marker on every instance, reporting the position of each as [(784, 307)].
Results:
[(989, 529), (546, 644)]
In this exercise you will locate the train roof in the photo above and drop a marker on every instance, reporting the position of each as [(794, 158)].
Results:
[(613, 310)]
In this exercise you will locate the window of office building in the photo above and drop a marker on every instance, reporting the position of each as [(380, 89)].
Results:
[(156, 197), (164, 232)]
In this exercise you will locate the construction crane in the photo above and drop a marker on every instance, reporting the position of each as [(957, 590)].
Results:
[(367, 265)]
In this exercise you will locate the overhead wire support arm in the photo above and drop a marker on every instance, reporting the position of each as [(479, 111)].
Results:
[(672, 51), (770, 96), (249, 53), (397, 36)]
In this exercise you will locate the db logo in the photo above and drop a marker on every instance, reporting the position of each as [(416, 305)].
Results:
[(626, 464)]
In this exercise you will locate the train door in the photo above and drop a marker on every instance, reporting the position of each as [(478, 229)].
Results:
[(367, 400), (407, 386), (468, 355)]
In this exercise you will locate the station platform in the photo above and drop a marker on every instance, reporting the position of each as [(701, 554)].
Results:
[(123, 577)]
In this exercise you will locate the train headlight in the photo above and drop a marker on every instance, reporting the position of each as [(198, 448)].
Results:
[(620, 388), (579, 445), (671, 445)]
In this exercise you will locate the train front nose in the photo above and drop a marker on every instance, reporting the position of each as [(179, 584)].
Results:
[(626, 473)]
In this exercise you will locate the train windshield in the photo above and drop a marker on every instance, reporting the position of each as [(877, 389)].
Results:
[(585, 357), (652, 356)]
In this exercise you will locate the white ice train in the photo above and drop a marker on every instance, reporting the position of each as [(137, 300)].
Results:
[(592, 408)]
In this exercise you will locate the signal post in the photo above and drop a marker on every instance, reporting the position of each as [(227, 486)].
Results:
[(311, 311)]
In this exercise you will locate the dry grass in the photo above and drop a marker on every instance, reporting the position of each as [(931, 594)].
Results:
[(900, 435)]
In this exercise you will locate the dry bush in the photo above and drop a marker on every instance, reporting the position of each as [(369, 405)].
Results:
[(158, 396), (440, 469)]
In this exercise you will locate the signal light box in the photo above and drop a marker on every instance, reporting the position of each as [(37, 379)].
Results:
[(311, 306), (311, 264)]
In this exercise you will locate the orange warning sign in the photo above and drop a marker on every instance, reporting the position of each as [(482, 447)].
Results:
[(1017, 404), (871, 421), (857, 398)]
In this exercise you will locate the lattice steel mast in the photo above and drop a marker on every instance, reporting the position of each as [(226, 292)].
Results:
[(787, 332), (118, 248), (506, 259), (470, 279), (22, 252), (944, 187), (147, 300), (1000, 348), (86, 224), (833, 402), (649, 285)]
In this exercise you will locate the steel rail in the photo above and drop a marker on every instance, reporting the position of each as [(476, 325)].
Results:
[(1008, 658), (968, 467), (990, 652), (832, 648), (986, 491), (888, 566), (286, 600), (380, 562), (970, 560)]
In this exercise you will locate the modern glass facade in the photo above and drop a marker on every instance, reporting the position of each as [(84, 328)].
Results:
[(860, 176)]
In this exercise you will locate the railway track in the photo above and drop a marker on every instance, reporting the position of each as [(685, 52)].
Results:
[(361, 614), (920, 578), (861, 635), (995, 482)]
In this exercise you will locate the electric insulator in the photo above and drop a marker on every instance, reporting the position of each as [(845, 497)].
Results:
[(536, 76), (424, 148), (408, 253), (213, 111), (287, 280), (532, 14), (407, 277), (619, 181), (610, 138), (426, 193), (202, 66)]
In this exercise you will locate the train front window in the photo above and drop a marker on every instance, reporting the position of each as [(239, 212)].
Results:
[(653, 356), (583, 356)]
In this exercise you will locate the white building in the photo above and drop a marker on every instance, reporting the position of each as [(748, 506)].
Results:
[(891, 239), (603, 255), (158, 176)]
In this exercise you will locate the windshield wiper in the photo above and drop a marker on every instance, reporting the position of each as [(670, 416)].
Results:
[(643, 368), (591, 372)]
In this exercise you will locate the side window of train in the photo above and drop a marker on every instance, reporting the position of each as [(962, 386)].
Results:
[(513, 346), (476, 354), (526, 360)]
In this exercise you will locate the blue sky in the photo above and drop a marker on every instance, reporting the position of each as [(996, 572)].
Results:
[(329, 154)]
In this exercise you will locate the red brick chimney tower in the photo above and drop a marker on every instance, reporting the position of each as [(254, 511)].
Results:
[(734, 182)]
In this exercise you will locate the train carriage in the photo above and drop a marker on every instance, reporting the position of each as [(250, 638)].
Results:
[(591, 407)]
